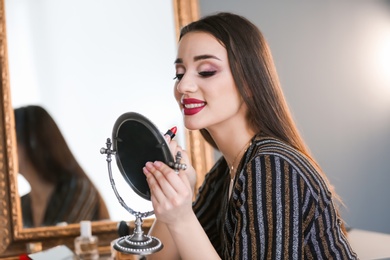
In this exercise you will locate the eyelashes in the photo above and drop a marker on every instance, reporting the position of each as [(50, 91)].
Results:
[(204, 74), (207, 73), (178, 77)]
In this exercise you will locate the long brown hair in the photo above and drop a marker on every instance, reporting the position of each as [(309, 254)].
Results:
[(39, 135), (47, 150), (255, 76)]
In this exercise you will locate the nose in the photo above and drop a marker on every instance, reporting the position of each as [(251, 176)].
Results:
[(186, 85)]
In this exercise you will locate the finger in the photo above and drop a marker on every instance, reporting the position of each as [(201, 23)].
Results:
[(167, 178), (155, 203), (175, 181), (173, 146), (164, 187), (154, 187)]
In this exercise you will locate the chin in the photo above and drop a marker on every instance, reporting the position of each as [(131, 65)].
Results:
[(192, 124), (190, 127)]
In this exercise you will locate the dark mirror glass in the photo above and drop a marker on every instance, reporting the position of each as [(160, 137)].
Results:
[(136, 141)]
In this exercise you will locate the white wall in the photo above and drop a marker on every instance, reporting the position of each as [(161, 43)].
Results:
[(333, 60), (90, 61)]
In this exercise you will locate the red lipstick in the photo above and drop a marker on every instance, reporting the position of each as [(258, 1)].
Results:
[(171, 132)]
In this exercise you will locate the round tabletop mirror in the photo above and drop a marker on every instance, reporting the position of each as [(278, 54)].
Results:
[(136, 140)]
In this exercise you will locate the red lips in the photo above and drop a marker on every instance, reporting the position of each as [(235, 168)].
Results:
[(192, 106)]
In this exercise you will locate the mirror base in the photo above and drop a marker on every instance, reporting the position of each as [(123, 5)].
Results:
[(138, 243)]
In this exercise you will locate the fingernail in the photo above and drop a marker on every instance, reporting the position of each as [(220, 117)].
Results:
[(157, 163), (148, 164)]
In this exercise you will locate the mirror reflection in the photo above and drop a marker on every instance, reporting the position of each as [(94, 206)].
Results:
[(88, 62), (61, 191)]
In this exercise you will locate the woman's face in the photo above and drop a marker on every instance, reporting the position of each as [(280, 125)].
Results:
[(204, 87)]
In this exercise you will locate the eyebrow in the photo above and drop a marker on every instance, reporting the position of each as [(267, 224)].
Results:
[(198, 58)]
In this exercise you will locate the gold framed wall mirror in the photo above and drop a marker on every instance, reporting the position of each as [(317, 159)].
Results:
[(13, 237)]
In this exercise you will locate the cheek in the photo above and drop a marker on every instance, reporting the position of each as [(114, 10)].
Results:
[(226, 91)]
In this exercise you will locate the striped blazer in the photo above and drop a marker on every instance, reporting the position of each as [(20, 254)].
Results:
[(280, 207)]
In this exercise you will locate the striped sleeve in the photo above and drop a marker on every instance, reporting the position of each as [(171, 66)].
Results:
[(210, 203), (282, 209)]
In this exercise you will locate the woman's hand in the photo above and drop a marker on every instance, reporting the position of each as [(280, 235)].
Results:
[(171, 192), (171, 195), (190, 171)]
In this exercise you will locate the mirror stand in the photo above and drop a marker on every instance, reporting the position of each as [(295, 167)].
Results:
[(137, 243)]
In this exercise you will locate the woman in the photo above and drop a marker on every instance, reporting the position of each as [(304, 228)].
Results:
[(266, 197), (60, 190)]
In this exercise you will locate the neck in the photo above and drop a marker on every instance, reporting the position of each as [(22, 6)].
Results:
[(40, 194), (40, 188), (232, 136), (236, 161), (233, 144)]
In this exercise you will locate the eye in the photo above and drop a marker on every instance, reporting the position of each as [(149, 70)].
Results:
[(178, 77), (207, 73)]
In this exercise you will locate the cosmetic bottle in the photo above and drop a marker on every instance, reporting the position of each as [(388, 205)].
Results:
[(86, 245)]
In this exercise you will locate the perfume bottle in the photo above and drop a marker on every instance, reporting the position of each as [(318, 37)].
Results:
[(86, 245)]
